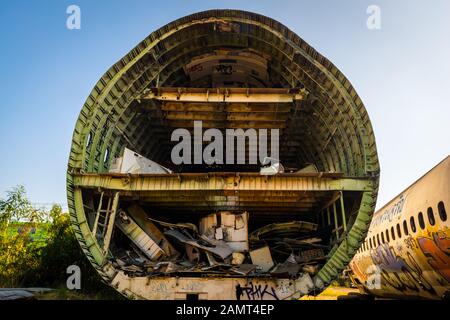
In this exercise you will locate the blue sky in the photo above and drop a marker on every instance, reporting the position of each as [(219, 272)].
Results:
[(401, 72)]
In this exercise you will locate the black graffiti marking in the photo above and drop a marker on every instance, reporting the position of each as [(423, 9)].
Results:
[(255, 292), (196, 68), (224, 69), (410, 243)]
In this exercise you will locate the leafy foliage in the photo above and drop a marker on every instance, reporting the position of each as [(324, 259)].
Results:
[(18, 253), (28, 260), (17, 207)]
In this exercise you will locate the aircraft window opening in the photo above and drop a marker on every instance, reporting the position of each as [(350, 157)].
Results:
[(89, 140), (382, 237), (405, 227), (378, 239), (399, 232), (392, 233), (106, 157), (387, 235), (442, 213), (412, 222), (430, 215), (374, 242), (370, 242), (421, 221)]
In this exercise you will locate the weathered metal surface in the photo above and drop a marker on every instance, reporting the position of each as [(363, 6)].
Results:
[(218, 248), (262, 257), (170, 288), (220, 191), (225, 95), (407, 249), (143, 240), (329, 128), (212, 181), (141, 219), (281, 229), (21, 293), (233, 229)]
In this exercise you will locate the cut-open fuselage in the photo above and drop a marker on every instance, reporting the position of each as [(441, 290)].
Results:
[(169, 193)]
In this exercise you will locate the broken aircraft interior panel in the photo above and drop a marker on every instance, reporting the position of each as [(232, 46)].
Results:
[(222, 226)]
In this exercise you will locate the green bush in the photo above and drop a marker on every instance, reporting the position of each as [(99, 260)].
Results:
[(37, 247)]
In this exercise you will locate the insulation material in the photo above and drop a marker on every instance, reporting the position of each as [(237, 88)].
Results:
[(237, 258), (227, 226), (262, 258), (207, 225)]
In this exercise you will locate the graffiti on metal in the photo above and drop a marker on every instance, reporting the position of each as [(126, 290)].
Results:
[(390, 213), (256, 292)]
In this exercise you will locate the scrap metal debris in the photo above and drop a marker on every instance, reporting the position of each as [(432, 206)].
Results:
[(244, 269), (142, 220), (219, 244), (233, 229), (290, 267), (215, 247), (149, 247)]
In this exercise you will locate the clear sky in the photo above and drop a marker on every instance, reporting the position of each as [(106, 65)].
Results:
[(401, 72)]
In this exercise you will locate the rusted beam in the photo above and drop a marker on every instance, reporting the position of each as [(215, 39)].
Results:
[(210, 116), (97, 216), (220, 95), (224, 124), (344, 219), (226, 182), (220, 108), (255, 204), (110, 225), (336, 224)]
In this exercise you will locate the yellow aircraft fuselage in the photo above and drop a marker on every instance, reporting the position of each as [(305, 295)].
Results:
[(407, 249)]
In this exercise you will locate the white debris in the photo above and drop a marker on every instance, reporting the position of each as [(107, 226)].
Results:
[(134, 163), (271, 166)]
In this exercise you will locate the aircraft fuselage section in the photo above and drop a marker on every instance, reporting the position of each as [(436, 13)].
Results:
[(407, 249)]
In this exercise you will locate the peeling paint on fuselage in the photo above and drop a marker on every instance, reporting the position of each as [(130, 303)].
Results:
[(416, 264)]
